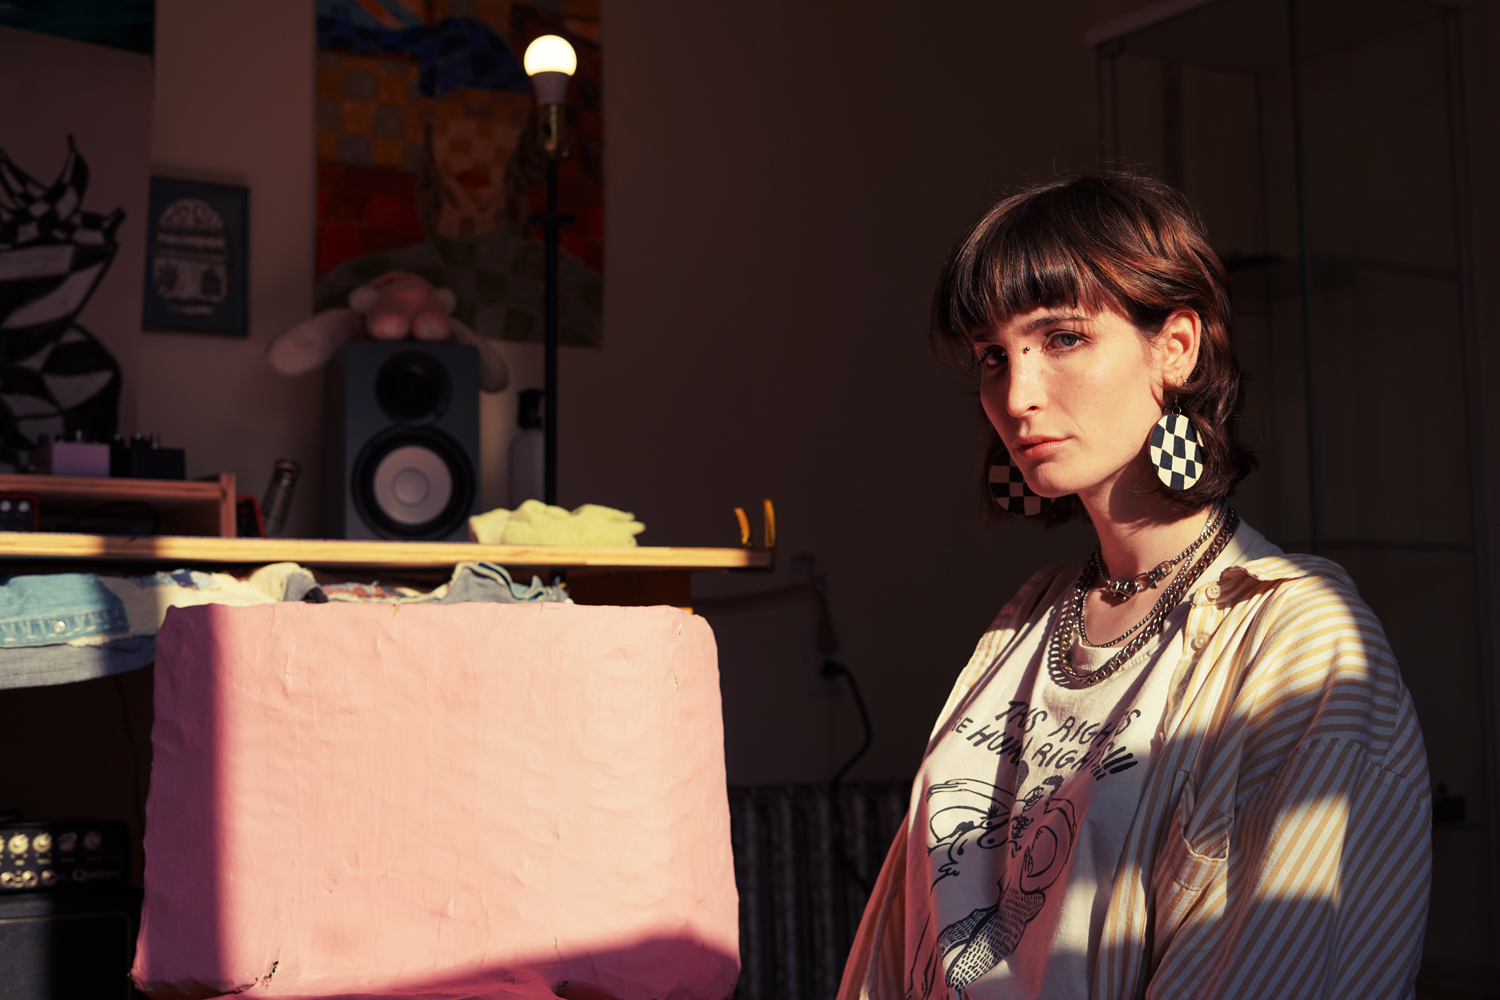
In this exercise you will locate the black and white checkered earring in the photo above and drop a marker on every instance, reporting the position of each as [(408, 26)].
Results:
[(1008, 487), (1175, 453)]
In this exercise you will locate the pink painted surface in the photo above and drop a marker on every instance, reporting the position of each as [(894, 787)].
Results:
[(476, 800)]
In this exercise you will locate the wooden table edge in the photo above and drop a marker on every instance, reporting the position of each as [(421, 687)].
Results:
[(360, 554)]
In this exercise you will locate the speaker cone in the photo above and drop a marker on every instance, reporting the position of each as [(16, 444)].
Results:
[(413, 483), (413, 388)]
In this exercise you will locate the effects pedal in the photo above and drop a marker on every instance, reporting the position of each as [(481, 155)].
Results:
[(143, 457)]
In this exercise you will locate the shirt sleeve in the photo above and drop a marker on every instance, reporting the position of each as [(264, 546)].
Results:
[(1309, 878)]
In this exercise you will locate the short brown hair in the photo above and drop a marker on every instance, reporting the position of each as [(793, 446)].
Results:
[(1105, 242)]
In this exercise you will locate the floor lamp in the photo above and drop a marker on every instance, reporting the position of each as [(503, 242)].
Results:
[(551, 62)]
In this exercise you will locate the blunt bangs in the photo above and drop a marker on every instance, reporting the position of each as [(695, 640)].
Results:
[(1113, 242)]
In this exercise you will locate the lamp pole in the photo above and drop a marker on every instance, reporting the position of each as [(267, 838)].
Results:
[(550, 222), (551, 62)]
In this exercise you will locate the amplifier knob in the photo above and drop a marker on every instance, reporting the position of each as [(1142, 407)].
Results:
[(49, 877), (91, 840), (19, 843), (42, 843), (7, 879), (27, 879), (67, 841)]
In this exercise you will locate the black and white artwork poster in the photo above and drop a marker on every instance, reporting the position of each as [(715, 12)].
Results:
[(197, 248), (75, 128)]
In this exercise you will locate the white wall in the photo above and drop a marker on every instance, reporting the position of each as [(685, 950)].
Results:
[(784, 180), (234, 105)]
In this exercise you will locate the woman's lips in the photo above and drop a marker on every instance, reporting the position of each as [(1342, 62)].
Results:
[(1034, 448)]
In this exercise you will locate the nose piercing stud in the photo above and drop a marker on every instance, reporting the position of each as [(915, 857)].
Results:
[(1025, 350)]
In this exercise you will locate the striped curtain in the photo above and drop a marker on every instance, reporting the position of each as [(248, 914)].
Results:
[(800, 903)]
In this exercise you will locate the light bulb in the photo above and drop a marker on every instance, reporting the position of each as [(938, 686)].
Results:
[(551, 61), (551, 54)]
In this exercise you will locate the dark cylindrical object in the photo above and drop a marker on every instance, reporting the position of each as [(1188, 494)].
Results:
[(527, 467), (278, 499), (549, 326)]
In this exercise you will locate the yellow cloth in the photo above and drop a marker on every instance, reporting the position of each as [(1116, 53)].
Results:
[(536, 523)]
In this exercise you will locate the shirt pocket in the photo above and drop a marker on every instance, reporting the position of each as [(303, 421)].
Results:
[(1194, 854)]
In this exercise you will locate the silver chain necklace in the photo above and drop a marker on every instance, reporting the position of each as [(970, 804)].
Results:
[(1132, 585), (1069, 623), (1096, 564)]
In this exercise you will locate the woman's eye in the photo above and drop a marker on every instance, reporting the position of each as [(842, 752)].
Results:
[(992, 357), (1066, 340)]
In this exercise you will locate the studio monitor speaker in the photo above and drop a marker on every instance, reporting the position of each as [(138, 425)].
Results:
[(402, 421)]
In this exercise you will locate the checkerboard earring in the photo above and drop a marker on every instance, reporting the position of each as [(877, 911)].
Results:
[(1008, 487), (1175, 453)]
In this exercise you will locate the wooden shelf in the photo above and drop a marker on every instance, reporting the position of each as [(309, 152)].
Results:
[(318, 552), (196, 507)]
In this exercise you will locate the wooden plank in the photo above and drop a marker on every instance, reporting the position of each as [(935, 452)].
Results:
[(109, 488), (357, 554), (198, 507)]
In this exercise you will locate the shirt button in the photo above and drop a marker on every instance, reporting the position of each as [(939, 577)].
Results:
[(58, 628), (1211, 591), (1200, 640)]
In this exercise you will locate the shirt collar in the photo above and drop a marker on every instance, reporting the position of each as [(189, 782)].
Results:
[(1262, 560)]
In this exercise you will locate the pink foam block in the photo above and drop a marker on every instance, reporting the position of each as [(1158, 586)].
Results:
[(476, 800)]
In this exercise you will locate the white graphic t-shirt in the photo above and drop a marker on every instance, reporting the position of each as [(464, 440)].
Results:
[(1019, 813)]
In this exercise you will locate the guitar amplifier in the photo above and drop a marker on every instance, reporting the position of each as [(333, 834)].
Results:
[(74, 945), (63, 855)]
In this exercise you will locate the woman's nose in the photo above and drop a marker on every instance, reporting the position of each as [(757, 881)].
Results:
[(1023, 389)]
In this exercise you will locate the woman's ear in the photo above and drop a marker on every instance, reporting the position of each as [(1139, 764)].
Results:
[(1177, 346)]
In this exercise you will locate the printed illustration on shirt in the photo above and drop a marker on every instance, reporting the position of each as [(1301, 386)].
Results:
[(978, 829)]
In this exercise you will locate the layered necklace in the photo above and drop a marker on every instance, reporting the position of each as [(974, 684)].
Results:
[(1069, 626), (1130, 586)]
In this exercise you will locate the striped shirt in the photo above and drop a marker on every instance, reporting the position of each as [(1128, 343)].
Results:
[(1282, 846)]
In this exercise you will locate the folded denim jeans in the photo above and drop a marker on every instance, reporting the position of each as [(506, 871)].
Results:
[(57, 607)]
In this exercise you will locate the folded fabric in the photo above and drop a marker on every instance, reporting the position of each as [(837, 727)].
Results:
[(536, 523), (147, 598), (56, 607), (472, 582), (57, 628)]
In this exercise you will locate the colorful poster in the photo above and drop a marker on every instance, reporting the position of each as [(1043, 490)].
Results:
[(429, 162)]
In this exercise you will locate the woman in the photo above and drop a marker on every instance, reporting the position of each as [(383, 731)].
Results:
[(1187, 768)]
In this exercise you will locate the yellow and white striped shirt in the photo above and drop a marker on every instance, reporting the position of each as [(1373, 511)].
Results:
[(1283, 843)]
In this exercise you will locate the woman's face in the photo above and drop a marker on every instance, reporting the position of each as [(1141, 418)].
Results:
[(1074, 393)]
